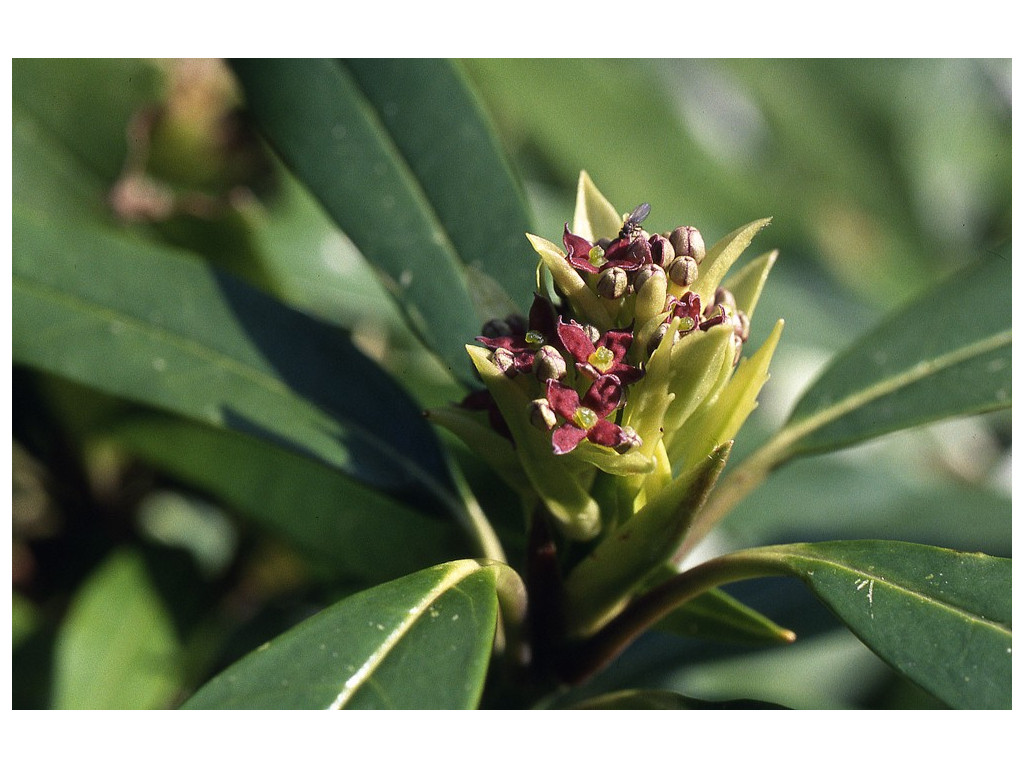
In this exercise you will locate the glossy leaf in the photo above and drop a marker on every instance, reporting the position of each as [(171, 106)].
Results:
[(144, 322), (716, 615), (347, 529), (644, 699), (420, 642), (117, 647), (942, 618), (400, 156), (946, 353)]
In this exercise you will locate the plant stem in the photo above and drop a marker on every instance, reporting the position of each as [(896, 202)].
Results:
[(579, 661), (475, 520)]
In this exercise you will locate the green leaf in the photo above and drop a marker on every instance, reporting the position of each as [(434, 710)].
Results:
[(420, 642), (946, 353), (401, 157), (346, 528), (117, 647), (141, 321), (643, 699), (941, 618), (82, 106), (716, 615)]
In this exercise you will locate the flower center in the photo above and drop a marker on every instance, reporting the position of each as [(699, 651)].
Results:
[(584, 418), (534, 338), (596, 256), (686, 323), (602, 358)]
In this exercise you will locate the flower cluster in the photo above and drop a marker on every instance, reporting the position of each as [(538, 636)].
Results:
[(629, 364)]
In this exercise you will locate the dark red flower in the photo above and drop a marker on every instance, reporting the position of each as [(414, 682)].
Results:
[(628, 254), (524, 345), (606, 357), (577, 250), (585, 419), (687, 306)]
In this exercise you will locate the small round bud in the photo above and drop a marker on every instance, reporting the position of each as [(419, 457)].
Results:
[(504, 360), (496, 328), (628, 439), (657, 336), (548, 363), (662, 252), (541, 415), (741, 323), (644, 274), (724, 298), (613, 283), (687, 241), (683, 271)]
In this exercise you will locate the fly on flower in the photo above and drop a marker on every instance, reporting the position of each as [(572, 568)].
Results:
[(631, 227)]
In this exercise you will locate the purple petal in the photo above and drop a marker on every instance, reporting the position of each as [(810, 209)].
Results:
[(566, 437), (577, 250), (576, 341), (605, 433), (563, 400), (604, 395)]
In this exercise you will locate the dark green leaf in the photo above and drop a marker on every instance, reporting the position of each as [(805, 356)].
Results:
[(399, 155), (715, 615), (947, 353), (141, 321), (83, 106), (640, 699), (117, 648), (940, 617), (347, 528), (420, 642)]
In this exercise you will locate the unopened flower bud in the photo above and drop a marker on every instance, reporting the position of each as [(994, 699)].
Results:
[(548, 363), (724, 298), (657, 337), (644, 274), (683, 271), (662, 252), (628, 439), (741, 323), (613, 283), (541, 414), (504, 360), (687, 241)]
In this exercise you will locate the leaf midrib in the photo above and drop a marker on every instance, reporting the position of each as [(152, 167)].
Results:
[(809, 564), (353, 684), (921, 370)]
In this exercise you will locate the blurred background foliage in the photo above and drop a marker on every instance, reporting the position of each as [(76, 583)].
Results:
[(163, 550)]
